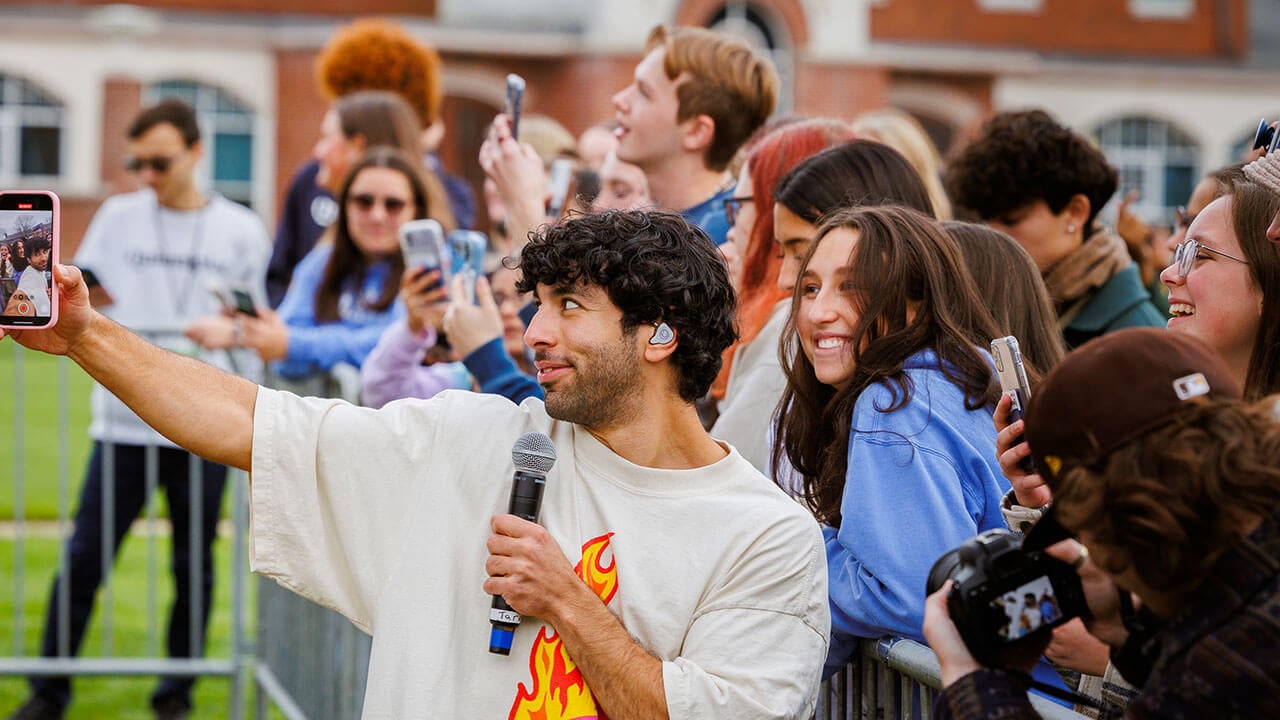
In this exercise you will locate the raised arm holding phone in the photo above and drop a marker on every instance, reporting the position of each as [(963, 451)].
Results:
[(395, 517)]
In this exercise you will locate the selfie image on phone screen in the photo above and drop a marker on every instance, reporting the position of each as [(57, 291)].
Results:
[(28, 251)]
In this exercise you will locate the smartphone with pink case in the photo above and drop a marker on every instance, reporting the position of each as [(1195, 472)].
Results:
[(30, 224)]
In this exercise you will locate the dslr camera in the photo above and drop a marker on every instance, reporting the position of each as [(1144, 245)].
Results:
[(1006, 595)]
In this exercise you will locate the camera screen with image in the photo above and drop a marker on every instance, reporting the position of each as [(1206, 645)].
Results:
[(1003, 593), (27, 256), (1028, 608)]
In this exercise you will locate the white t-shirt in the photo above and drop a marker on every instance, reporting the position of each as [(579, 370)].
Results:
[(383, 515), (158, 266)]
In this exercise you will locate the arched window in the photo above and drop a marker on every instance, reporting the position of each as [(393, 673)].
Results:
[(751, 23), (31, 134), (1155, 158), (226, 131)]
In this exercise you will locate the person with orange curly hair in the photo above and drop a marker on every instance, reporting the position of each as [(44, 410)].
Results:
[(367, 54)]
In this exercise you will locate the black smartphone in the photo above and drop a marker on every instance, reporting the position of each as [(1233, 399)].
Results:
[(30, 223), (1013, 382), (515, 98), (242, 302)]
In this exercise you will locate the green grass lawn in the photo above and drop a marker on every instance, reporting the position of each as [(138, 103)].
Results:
[(126, 697), (47, 386), (39, 394)]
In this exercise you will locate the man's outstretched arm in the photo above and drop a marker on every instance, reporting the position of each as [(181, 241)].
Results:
[(197, 406)]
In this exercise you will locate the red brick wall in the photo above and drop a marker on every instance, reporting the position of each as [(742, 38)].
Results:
[(418, 8), (840, 91), (1216, 28), (299, 110)]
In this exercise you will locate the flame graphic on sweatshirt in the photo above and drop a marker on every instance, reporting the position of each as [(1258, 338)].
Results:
[(558, 690)]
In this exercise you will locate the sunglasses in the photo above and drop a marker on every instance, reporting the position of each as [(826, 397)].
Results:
[(159, 164), (366, 203), (1184, 256), (733, 206)]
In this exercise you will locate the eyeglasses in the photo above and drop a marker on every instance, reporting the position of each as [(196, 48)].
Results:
[(1184, 256), (733, 206), (393, 205), (160, 164), (1184, 220)]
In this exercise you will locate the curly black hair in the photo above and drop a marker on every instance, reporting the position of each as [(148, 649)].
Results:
[(1022, 157), (655, 267)]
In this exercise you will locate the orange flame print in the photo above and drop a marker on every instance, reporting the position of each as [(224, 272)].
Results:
[(559, 692)]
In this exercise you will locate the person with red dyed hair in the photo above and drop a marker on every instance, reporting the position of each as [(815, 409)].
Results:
[(752, 382)]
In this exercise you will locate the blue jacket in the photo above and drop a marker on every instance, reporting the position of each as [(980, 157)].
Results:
[(709, 215), (921, 480), (317, 347)]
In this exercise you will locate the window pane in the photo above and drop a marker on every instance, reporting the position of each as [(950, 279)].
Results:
[(233, 157), (1178, 184), (39, 151)]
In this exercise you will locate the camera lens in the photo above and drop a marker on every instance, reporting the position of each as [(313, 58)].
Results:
[(942, 569)]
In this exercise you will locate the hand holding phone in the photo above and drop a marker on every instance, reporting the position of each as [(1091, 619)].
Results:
[(422, 244), (1014, 383), (467, 250), (30, 220), (515, 98)]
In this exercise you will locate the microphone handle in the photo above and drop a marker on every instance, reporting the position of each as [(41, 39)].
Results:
[(526, 500)]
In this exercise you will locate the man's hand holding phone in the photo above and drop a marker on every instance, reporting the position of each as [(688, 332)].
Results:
[(75, 316)]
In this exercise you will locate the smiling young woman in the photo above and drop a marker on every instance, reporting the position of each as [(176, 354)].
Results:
[(888, 411)]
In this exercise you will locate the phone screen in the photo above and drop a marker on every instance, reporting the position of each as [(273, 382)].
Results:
[(243, 302), (1027, 608), (28, 252)]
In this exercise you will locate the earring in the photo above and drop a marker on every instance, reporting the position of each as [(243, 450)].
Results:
[(1071, 228), (662, 334)]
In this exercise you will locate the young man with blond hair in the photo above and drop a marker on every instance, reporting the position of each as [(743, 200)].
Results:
[(695, 99)]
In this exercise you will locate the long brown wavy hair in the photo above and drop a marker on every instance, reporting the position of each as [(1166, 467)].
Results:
[(348, 266), (902, 260)]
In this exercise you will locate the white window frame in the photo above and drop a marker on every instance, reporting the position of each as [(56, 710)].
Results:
[(1150, 160), (1162, 9), (739, 24), (16, 115)]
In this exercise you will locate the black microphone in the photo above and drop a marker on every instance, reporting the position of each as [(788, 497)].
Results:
[(533, 455)]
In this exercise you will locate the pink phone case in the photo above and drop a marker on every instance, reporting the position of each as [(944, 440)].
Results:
[(55, 256)]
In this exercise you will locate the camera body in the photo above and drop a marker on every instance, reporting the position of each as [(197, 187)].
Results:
[(1004, 594)]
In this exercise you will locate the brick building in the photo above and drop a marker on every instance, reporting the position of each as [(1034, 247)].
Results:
[(1171, 88)]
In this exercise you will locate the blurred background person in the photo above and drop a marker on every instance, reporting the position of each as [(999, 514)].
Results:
[(488, 343), (517, 185), (623, 186), (1010, 285), (155, 253), (344, 291), (751, 381), (903, 133), (1044, 185), (367, 54)]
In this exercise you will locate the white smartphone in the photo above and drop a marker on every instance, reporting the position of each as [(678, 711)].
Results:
[(30, 224), (422, 243), (515, 99), (1013, 382)]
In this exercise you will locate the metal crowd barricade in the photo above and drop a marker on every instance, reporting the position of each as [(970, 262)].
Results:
[(895, 678), (311, 662), (105, 660)]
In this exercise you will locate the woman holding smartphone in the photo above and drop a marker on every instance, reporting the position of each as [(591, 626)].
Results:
[(887, 413), (344, 292)]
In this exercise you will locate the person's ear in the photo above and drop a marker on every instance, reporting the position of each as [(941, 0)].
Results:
[(1076, 213), (697, 133)]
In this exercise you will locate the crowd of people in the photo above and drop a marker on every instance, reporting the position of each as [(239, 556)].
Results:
[(760, 348)]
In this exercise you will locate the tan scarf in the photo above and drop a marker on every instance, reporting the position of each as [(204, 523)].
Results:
[(1092, 264)]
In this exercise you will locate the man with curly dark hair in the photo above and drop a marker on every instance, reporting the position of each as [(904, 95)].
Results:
[(701, 589), (1044, 185)]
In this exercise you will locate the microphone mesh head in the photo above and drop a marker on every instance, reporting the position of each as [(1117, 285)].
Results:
[(534, 452)]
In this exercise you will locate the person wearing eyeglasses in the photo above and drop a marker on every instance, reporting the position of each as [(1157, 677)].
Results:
[(154, 253), (344, 292), (1224, 283), (750, 384)]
